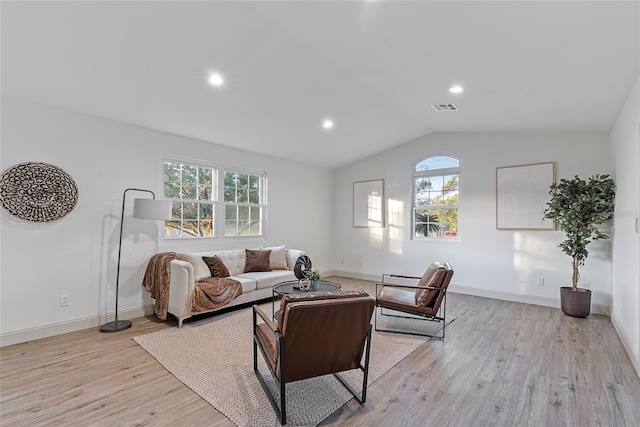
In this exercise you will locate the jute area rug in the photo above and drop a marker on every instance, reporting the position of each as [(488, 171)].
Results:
[(214, 358)]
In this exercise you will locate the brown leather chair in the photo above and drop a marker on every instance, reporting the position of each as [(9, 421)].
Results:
[(427, 300), (316, 334)]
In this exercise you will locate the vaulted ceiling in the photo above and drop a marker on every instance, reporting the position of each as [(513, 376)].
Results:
[(373, 67)]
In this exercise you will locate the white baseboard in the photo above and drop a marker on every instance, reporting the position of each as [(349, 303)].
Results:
[(626, 343), (31, 334), (487, 293), (526, 299), (354, 275)]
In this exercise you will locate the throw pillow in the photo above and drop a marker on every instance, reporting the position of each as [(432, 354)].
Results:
[(200, 269), (216, 266), (278, 257), (257, 260), (433, 278)]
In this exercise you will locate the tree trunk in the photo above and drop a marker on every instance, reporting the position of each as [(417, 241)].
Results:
[(576, 274)]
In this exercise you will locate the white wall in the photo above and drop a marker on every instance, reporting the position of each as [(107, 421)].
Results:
[(487, 261), (625, 282), (77, 255)]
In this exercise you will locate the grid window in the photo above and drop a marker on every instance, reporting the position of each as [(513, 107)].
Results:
[(202, 193), (436, 198), (192, 189), (244, 204)]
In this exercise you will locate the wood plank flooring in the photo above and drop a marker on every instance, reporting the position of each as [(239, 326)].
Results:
[(502, 363)]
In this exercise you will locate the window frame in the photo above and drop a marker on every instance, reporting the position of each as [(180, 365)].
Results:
[(415, 175), (218, 204), (262, 205)]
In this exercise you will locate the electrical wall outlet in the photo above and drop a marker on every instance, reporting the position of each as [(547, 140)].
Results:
[(540, 281), (64, 300)]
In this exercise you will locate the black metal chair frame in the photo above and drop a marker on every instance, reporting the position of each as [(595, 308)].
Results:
[(439, 316), (281, 411)]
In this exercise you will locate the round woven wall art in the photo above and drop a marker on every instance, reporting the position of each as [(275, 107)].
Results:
[(37, 192)]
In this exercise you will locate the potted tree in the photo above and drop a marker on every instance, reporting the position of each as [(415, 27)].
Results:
[(578, 207)]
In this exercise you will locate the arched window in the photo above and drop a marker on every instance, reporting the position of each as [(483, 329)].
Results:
[(436, 198)]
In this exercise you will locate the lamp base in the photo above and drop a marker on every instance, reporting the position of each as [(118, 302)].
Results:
[(116, 326)]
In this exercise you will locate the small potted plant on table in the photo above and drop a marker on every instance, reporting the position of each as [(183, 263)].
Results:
[(578, 207), (314, 277)]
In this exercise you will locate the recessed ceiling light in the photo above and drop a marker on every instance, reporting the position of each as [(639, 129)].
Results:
[(456, 89), (216, 79), (327, 124)]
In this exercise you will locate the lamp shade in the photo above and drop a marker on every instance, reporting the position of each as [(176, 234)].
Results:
[(152, 209)]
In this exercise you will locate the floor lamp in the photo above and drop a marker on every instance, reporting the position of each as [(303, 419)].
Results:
[(144, 209)]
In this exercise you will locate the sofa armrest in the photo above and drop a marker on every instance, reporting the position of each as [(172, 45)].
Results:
[(181, 286)]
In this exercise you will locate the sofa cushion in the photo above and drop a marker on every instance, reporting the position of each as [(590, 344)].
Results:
[(257, 260), (200, 269), (248, 283), (278, 257), (216, 266), (266, 279), (234, 260)]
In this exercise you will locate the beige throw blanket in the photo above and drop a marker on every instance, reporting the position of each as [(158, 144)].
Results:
[(156, 281), (210, 294)]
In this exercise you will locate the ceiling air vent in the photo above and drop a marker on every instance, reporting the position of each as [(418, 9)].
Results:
[(444, 107)]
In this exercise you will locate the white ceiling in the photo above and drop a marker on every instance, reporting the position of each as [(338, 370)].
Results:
[(374, 67)]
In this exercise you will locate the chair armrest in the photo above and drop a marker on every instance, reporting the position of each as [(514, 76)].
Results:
[(392, 285), (399, 276), (412, 287), (272, 325)]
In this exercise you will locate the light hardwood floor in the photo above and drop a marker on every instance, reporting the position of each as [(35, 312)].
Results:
[(502, 363)]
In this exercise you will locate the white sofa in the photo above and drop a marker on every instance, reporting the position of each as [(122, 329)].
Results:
[(255, 285)]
